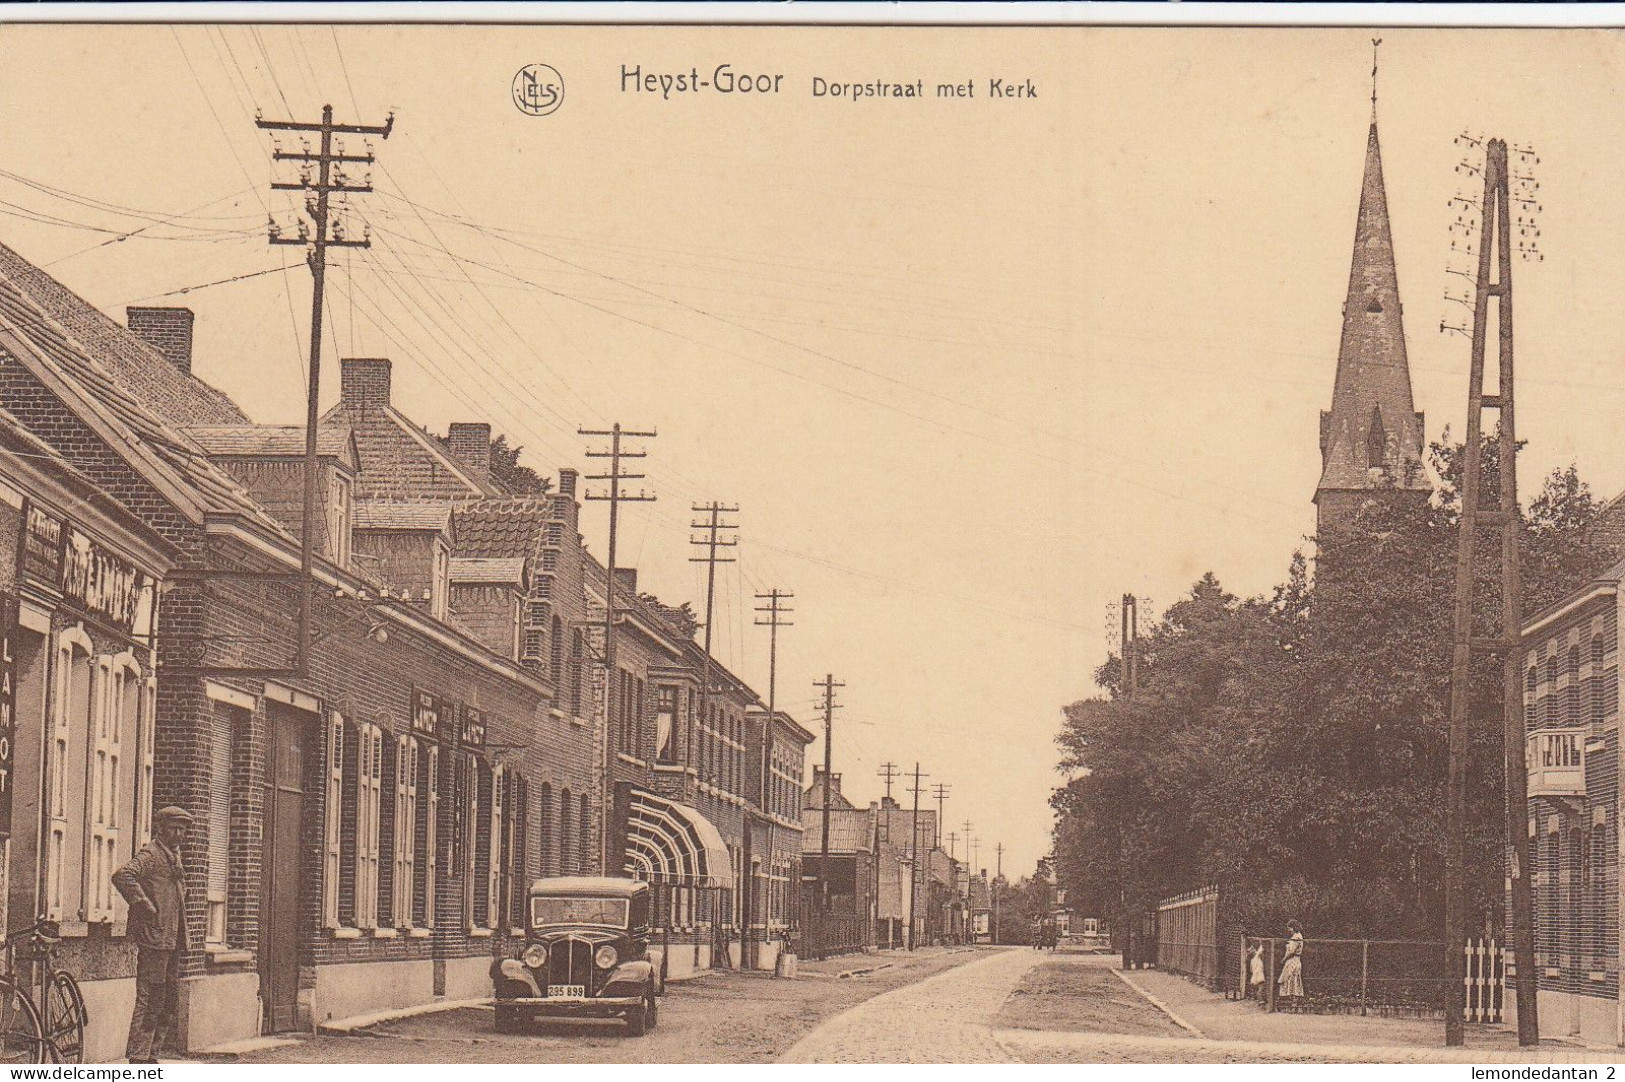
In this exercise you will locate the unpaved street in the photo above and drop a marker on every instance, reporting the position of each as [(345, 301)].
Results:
[(724, 1017)]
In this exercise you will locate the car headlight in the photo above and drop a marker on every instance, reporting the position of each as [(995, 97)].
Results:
[(535, 956), (606, 956)]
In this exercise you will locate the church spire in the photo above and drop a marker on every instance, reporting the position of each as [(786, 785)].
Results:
[(1372, 437)]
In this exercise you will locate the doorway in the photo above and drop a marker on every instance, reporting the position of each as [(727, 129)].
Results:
[(280, 882)]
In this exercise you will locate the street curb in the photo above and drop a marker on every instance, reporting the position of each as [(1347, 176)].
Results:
[(345, 1027), (1160, 1005)]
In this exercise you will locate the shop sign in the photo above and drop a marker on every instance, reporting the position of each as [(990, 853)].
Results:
[(427, 709), (473, 727), (43, 536), (104, 583), (101, 581)]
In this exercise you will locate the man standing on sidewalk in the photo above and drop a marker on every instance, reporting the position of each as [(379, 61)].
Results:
[(154, 883)]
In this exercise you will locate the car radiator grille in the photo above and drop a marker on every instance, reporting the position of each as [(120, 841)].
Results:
[(570, 962)]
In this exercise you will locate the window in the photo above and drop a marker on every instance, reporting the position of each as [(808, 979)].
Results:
[(338, 518), (555, 656), (405, 880), (1376, 447), (578, 665), (115, 704), (546, 845), (477, 843), (1531, 692), (518, 842), (333, 841), (567, 857), (1598, 709), (440, 588), (369, 809), (494, 861), (65, 787), (222, 739), (584, 841), (666, 724)]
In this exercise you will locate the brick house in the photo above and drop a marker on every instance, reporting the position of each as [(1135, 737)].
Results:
[(367, 827), (848, 888), (1570, 660)]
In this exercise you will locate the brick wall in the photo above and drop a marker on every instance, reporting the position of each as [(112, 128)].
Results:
[(1572, 682)]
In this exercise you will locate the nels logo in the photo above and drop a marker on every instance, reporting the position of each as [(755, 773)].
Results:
[(538, 89)]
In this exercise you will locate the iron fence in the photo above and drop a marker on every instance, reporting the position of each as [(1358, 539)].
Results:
[(1385, 976), (824, 935)]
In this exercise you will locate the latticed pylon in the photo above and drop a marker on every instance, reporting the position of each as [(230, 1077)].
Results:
[(1494, 282)]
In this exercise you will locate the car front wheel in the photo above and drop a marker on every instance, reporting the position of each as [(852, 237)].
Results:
[(509, 1020), (642, 1020)]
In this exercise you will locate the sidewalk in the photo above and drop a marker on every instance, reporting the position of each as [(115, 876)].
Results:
[(1238, 1024)]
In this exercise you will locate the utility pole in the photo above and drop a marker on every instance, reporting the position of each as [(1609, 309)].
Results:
[(914, 855), (997, 876), (941, 794), (775, 610), (970, 870), (1131, 645), (887, 772), (614, 497), (829, 686), (328, 177), (713, 540), (1495, 229)]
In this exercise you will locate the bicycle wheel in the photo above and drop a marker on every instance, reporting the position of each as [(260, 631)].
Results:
[(22, 1039), (65, 1018)]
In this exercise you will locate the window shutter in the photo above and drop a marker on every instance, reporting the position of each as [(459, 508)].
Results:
[(220, 738), (431, 833), (332, 861), (144, 778)]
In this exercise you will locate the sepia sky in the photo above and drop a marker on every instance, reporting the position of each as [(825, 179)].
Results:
[(971, 368)]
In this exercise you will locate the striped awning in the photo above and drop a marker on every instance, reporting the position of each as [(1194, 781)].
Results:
[(667, 842)]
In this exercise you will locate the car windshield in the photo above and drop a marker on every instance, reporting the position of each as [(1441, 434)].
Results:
[(610, 911)]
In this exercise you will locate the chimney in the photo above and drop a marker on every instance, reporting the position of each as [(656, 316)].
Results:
[(567, 481), (364, 382), (168, 330), (626, 578), (470, 443)]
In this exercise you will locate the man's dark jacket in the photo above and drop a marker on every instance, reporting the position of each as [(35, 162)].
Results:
[(154, 883)]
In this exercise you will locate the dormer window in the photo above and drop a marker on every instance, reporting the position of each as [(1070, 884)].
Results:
[(338, 518), (440, 588)]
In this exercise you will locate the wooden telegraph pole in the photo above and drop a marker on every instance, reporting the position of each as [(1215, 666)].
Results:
[(1492, 282), (321, 183)]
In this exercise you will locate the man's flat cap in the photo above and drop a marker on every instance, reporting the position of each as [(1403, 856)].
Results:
[(172, 814)]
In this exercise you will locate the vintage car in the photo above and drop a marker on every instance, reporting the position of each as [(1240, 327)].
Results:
[(586, 955)]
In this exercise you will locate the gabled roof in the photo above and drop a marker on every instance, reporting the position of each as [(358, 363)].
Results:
[(401, 461), (164, 457), (494, 570), (275, 441), (137, 368), (413, 517), (1372, 426), (503, 526)]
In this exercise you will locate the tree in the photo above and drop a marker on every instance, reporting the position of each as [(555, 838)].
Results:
[(1292, 749)]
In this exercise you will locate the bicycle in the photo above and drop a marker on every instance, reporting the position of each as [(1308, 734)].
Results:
[(28, 1035)]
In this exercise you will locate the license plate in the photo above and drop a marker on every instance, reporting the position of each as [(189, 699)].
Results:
[(567, 991)]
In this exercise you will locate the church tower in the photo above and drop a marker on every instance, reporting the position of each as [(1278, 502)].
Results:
[(1371, 440)]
